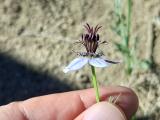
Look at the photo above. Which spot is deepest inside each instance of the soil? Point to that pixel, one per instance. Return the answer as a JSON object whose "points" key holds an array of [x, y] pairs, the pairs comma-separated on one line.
{"points": [[36, 42]]}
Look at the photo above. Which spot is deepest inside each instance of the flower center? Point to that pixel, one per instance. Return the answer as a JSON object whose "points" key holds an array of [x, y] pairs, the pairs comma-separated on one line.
{"points": [[91, 39], [92, 55]]}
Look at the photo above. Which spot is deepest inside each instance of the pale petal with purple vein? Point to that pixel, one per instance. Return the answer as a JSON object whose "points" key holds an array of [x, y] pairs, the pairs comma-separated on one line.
{"points": [[112, 62], [98, 62], [76, 64]]}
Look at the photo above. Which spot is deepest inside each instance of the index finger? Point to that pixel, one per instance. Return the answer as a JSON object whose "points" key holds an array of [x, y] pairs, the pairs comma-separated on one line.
{"points": [[66, 106]]}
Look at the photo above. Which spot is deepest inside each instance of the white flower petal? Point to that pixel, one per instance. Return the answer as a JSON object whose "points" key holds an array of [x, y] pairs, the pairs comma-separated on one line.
{"points": [[76, 64], [98, 62]]}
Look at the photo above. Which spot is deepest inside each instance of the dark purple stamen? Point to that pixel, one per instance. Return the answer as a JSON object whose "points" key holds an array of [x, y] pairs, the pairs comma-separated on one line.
{"points": [[91, 39]]}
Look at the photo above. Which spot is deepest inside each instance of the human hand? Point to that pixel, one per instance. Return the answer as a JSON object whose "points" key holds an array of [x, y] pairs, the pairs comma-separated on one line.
{"points": [[74, 105]]}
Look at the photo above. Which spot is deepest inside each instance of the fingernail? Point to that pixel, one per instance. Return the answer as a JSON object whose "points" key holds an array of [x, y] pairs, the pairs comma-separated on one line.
{"points": [[104, 111]]}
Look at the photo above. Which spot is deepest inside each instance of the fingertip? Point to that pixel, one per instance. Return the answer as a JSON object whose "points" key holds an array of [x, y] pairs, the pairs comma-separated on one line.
{"points": [[128, 102], [102, 111]]}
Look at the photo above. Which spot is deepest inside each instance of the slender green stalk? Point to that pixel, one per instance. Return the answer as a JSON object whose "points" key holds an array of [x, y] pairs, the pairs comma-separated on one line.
{"points": [[95, 83], [129, 20]]}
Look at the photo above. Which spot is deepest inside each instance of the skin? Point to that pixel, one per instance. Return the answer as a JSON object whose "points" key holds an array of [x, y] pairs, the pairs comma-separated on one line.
{"points": [[67, 106]]}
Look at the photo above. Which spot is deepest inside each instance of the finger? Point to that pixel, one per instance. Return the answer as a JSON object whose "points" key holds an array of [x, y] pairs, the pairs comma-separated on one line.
{"points": [[102, 111], [128, 100], [66, 106]]}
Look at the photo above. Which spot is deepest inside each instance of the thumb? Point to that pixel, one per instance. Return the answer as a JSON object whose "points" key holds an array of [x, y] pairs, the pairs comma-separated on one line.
{"points": [[102, 111]]}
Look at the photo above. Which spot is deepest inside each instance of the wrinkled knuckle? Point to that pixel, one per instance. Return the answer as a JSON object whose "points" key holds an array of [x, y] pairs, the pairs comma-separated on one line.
{"points": [[18, 107], [13, 105]]}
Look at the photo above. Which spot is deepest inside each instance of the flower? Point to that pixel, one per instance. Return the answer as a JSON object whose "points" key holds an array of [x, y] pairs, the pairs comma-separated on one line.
{"points": [[91, 41]]}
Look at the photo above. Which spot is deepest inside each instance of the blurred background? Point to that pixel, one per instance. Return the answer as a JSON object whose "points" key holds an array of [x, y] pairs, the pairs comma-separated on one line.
{"points": [[36, 43]]}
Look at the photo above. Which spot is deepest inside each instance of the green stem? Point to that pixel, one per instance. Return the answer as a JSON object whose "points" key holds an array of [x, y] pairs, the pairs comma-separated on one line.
{"points": [[129, 20], [95, 83]]}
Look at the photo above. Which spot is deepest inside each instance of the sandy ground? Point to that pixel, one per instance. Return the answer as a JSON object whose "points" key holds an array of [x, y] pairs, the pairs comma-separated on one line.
{"points": [[36, 40]]}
